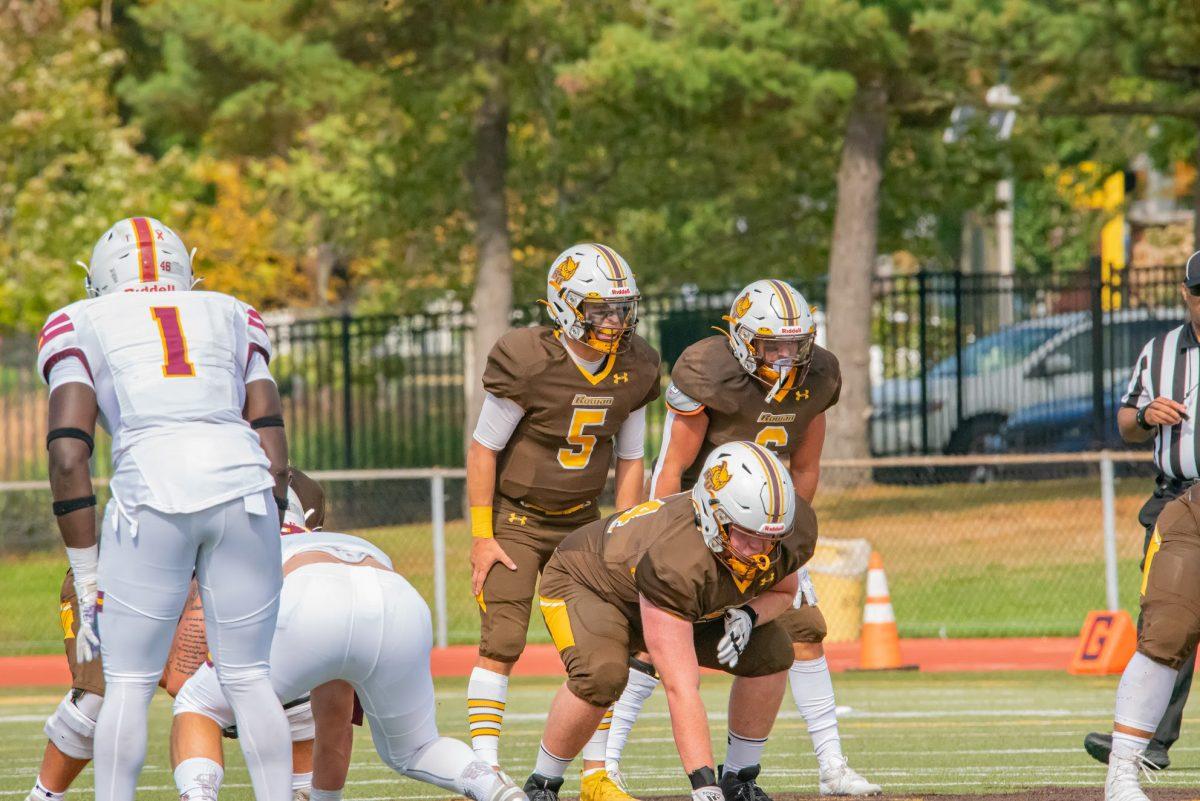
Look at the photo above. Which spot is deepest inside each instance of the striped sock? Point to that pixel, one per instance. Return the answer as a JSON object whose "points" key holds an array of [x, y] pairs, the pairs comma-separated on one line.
{"points": [[487, 692], [742, 752], [594, 750]]}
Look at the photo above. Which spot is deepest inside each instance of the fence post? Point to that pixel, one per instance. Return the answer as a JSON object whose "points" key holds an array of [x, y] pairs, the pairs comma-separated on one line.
{"points": [[347, 397], [1099, 415], [1108, 502], [958, 345], [922, 345], [437, 500]]}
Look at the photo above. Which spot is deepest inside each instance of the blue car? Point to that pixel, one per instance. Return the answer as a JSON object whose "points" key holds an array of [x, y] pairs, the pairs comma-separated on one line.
{"points": [[1059, 427]]}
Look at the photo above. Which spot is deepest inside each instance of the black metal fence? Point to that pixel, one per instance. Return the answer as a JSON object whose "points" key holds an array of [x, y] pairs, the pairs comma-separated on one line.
{"points": [[959, 363], [988, 363]]}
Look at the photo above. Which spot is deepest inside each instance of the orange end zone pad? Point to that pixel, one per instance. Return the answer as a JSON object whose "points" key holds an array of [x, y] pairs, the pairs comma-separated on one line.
{"points": [[933, 655]]}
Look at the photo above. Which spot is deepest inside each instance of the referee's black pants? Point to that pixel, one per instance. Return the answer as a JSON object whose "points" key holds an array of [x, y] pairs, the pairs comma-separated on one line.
{"points": [[1168, 728]]}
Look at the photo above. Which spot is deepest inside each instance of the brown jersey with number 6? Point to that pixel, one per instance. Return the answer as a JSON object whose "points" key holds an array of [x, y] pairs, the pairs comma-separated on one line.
{"points": [[707, 378], [561, 451]]}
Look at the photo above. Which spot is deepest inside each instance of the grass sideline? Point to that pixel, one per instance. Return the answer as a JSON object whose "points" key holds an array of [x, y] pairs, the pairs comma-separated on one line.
{"points": [[915, 734], [1007, 558]]}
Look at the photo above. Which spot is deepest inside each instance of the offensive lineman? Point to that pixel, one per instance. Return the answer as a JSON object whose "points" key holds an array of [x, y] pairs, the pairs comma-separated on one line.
{"points": [[347, 622], [765, 381], [696, 579], [71, 728], [560, 402], [1170, 598], [180, 379]]}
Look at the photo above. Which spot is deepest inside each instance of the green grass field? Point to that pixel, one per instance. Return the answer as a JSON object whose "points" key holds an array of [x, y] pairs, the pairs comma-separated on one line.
{"points": [[915, 734], [999, 559]]}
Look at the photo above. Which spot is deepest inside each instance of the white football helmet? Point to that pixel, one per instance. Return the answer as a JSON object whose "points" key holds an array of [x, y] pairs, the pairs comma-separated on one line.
{"points": [[772, 332], [592, 297], [294, 518], [138, 254], [744, 485]]}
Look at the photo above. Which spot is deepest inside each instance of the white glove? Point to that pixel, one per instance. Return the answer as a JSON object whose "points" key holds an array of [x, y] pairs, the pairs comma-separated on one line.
{"points": [[708, 794], [739, 623], [87, 640], [84, 566]]}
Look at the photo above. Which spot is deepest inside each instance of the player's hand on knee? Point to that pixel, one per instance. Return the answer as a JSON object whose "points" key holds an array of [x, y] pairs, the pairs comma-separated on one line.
{"points": [[87, 640], [486, 552], [739, 623]]}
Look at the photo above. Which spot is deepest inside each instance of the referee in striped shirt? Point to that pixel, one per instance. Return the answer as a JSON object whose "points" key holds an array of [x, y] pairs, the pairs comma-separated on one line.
{"points": [[1161, 402]]}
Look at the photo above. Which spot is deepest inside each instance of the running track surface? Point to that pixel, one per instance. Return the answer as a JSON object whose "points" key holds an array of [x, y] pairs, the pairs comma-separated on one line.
{"points": [[929, 655]]}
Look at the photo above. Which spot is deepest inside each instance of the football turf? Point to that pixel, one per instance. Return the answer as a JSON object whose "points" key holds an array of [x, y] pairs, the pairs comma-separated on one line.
{"points": [[918, 735]]}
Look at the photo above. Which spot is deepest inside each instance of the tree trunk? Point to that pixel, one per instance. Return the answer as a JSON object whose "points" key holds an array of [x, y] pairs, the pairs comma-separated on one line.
{"points": [[491, 301], [851, 266]]}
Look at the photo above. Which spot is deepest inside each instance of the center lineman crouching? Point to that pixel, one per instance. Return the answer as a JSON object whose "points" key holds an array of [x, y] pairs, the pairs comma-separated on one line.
{"points": [[1170, 629], [561, 402], [347, 623], [696, 579]]}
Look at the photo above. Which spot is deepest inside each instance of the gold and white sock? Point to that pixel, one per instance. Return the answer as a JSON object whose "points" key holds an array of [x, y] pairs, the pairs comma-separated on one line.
{"points": [[487, 693]]}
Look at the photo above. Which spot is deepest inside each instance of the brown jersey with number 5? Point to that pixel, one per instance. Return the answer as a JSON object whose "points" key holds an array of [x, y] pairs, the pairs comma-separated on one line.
{"points": [[708, 379], [560, 453]]}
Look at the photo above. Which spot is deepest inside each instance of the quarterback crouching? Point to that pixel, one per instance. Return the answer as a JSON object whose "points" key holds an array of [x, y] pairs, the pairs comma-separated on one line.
{"points": [[696, 579], [348, 623]]}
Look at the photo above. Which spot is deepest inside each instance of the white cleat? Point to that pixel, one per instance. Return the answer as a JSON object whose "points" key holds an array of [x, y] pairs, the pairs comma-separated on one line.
{"points": [[1122, 784], [838, 778], [303, 794], [613, 769]]}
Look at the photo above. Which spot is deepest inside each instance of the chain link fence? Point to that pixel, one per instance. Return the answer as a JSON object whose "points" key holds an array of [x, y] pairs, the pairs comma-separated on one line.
{"points": [[987, 546]]}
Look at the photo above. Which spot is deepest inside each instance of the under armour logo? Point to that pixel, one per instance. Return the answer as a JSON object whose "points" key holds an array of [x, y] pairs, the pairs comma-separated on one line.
{"points": [[802, 394], [513, 517], [619, 377]]}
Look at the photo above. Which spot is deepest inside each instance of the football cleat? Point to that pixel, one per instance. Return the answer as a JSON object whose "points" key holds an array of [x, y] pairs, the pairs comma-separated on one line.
{"points": [[599, 786], [838, 778], [302, 794], [1099, 746], [1121, 783], [613, 769], [542, 788], [592, 297], [742, 786]]}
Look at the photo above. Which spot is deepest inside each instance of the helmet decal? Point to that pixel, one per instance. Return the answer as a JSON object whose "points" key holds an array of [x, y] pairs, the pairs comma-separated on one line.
{"points": [[564, 271], [742, 306], [147, 252], [716, 477]]}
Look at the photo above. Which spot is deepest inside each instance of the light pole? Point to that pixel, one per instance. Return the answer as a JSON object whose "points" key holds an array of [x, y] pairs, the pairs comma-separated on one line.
{"points": [[1003, 103]]}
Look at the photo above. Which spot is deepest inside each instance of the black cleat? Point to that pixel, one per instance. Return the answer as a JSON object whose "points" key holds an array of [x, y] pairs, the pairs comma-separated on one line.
{"points": [[740, 786], [542, 788], [1099, 746]]}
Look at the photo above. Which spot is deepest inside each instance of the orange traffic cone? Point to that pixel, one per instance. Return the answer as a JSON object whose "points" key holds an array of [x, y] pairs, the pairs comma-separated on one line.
{"points": [[880, 638]]}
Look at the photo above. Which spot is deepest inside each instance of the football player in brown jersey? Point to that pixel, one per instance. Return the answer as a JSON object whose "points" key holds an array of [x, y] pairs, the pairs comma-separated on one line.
{"points": [[562, 401], [1170, 628], [698, 580], [766, 381]]}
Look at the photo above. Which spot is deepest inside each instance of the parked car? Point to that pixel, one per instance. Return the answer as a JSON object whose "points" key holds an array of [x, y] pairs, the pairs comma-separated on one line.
{"points": [[1032, 362], [1061, 427]]}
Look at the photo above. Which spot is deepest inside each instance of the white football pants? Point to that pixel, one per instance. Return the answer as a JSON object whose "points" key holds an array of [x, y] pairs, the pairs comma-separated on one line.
{"points": [[145, 571], [363, 625]]}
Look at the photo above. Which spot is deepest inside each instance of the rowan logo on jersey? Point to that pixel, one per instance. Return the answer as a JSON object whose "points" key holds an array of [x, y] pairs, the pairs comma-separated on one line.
{"points": [[767, 417], [592, 400], [717, 477]]}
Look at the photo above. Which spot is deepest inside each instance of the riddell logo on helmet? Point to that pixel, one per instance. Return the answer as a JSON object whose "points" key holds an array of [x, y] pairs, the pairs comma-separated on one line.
{"points": [[150, 288], [793, 329], [771, 528], [622, 291]]}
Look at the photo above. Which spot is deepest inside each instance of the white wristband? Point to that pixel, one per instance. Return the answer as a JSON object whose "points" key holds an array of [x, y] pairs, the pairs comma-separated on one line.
{"points": [[85, 562]]}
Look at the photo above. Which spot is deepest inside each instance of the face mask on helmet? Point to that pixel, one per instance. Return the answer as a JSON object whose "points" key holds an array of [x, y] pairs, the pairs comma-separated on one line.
{"points": [[753, 558], [775, 357], [608, 323]]}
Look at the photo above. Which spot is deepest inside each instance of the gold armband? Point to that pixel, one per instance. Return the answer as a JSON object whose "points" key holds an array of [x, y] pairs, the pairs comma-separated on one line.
{"points": [[481, 522]]}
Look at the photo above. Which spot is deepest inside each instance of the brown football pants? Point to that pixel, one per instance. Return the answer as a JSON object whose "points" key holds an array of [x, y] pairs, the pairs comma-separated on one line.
{"points": [[595, 640], [506, 602], [1171, 584]]}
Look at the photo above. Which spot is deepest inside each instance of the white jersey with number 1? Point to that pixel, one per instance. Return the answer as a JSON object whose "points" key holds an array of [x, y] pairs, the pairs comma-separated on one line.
{"points": [[170, 371]]}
